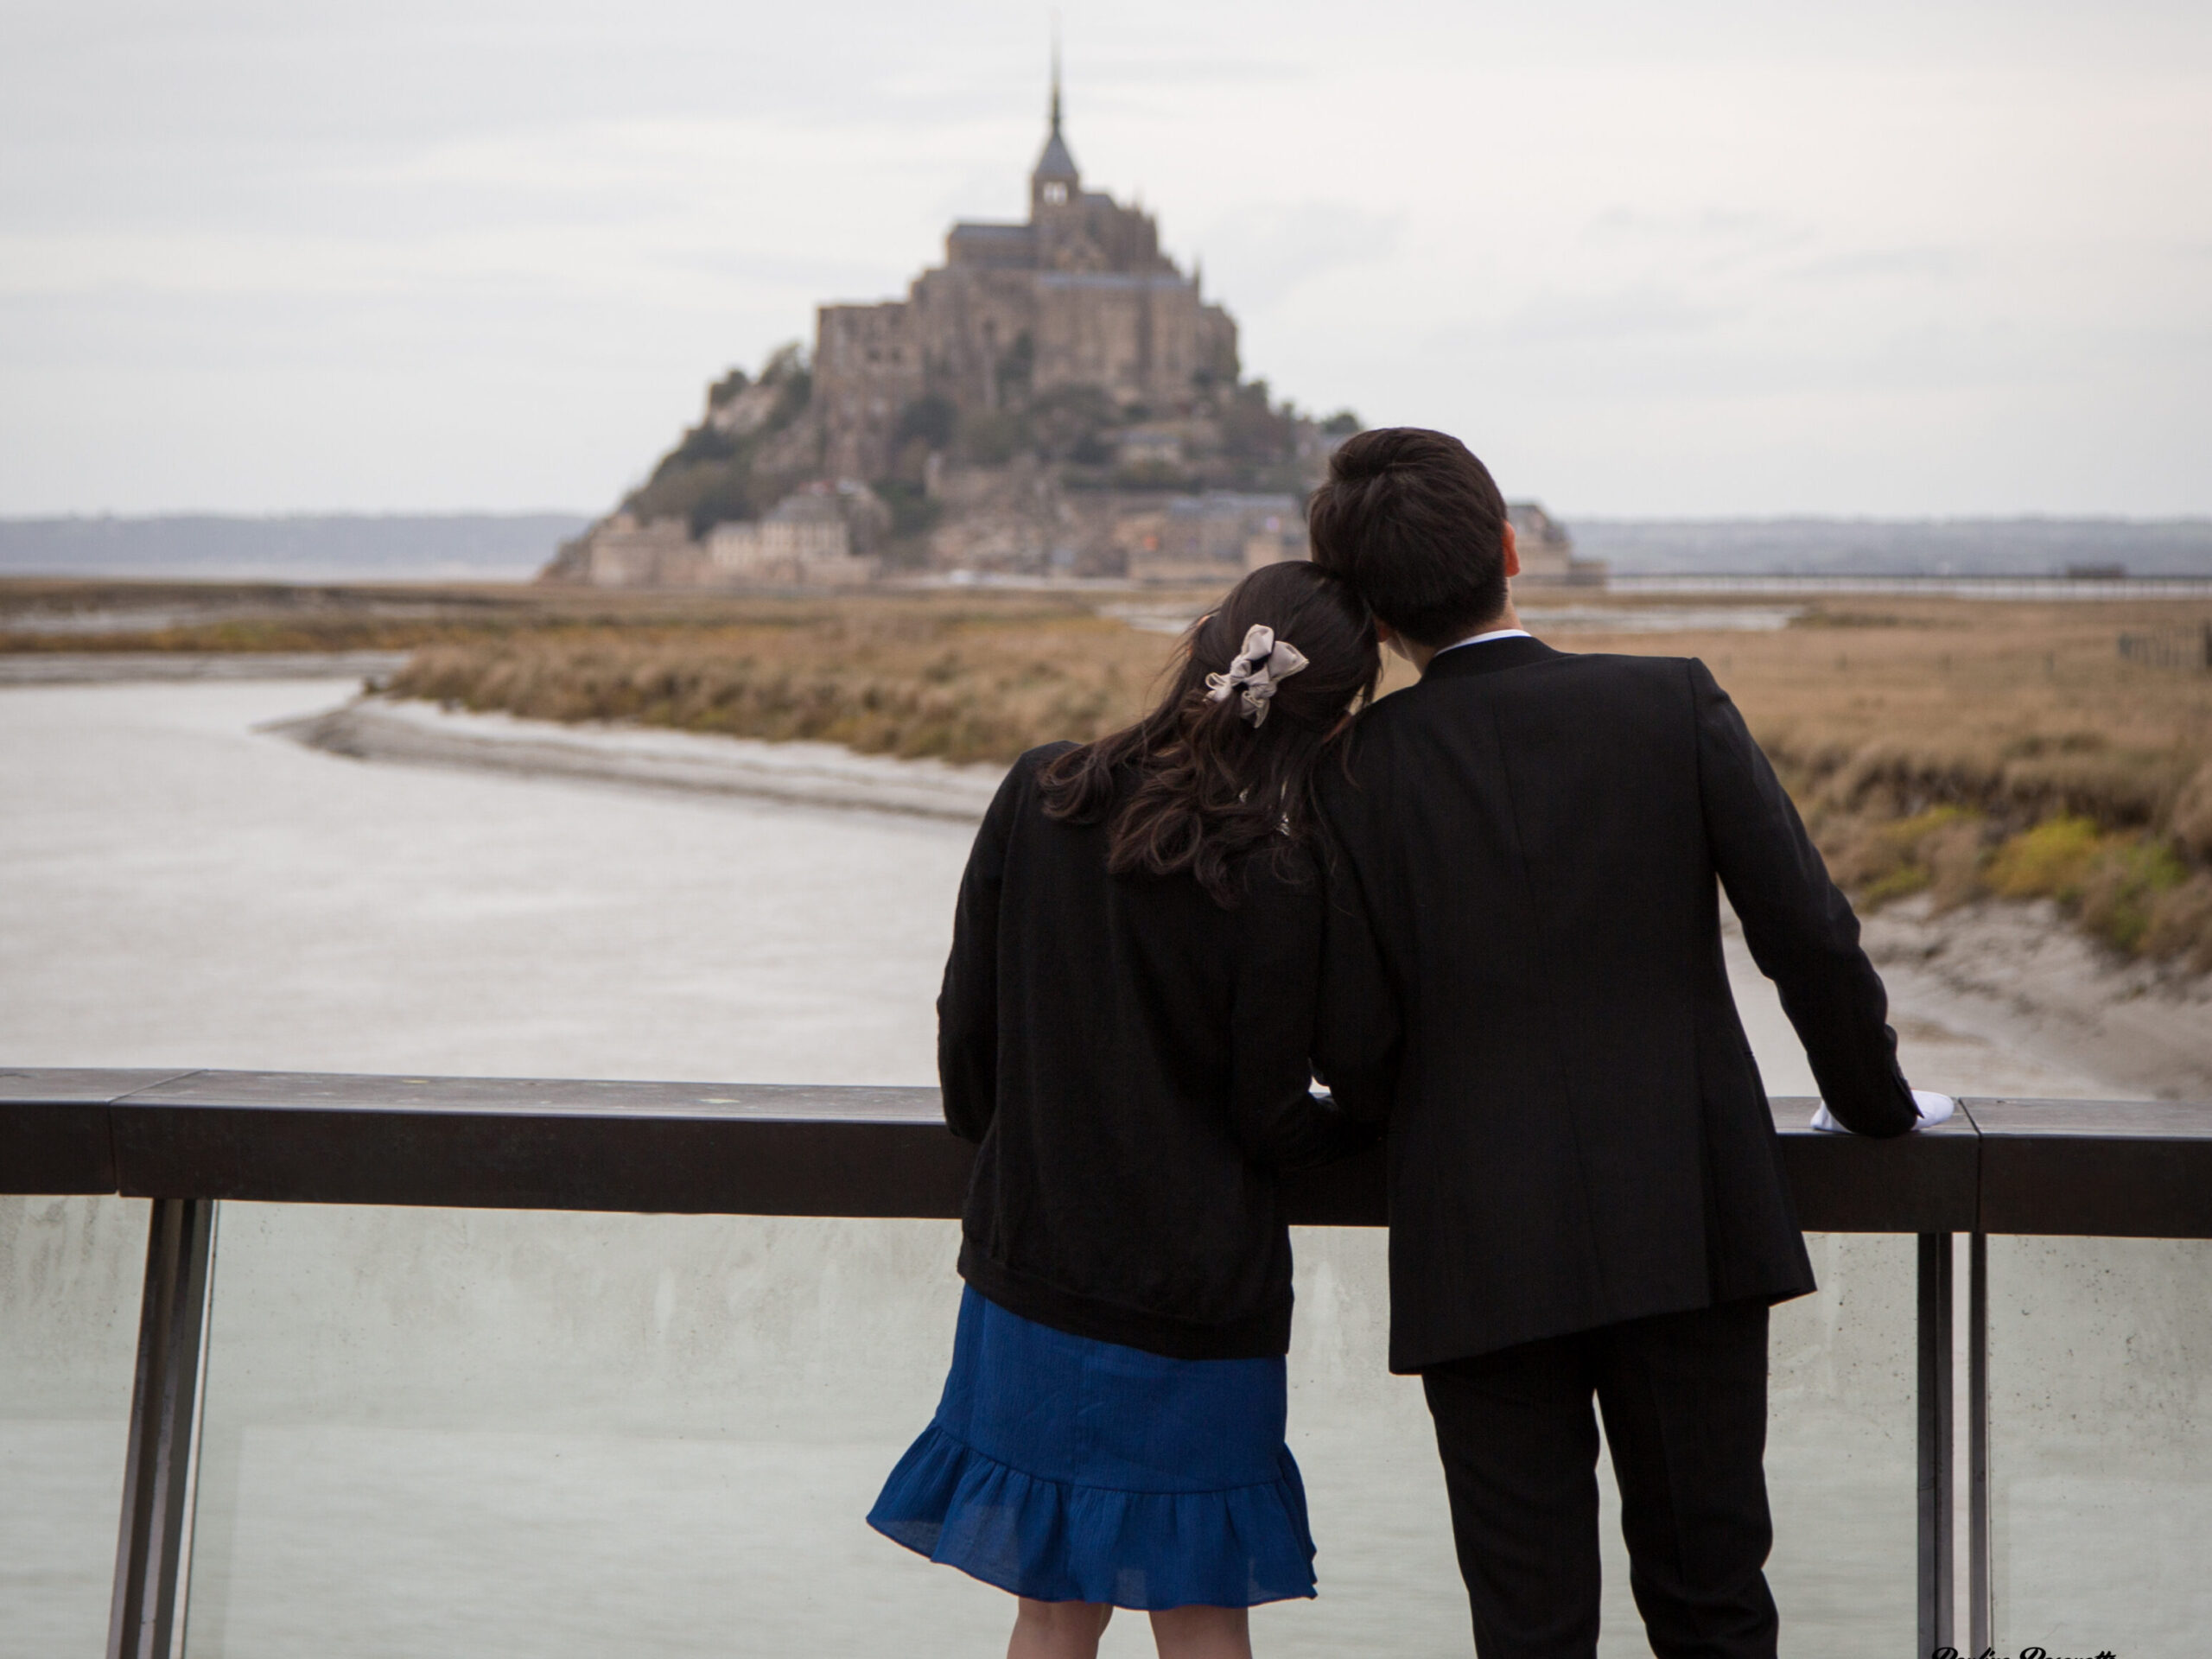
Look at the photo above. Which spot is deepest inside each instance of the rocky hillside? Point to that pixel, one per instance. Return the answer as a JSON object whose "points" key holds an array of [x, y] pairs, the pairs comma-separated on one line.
{"points": [[1040, 474]]}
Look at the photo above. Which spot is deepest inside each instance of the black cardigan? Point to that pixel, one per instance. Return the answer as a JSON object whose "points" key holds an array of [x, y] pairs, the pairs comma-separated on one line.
{"points": [[1578, 1131], [1135, 1062]]}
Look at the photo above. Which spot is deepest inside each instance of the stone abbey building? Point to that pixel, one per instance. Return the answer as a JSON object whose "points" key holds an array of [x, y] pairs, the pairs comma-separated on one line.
{"points": [[1080, 295], [1056, 397]]}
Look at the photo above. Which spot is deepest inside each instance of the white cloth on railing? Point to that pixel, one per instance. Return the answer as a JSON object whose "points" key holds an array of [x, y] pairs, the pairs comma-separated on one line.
{"points": [[1933, 1110]]}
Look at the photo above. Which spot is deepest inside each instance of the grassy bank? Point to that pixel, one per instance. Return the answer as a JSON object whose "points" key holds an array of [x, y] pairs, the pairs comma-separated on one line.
{"points": [[1966, 749], [956, 680], [1950, 747]]}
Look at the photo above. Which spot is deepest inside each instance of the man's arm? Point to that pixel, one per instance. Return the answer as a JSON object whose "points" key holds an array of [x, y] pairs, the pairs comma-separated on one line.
{"points": [[1801, 929], [967, 1005]]}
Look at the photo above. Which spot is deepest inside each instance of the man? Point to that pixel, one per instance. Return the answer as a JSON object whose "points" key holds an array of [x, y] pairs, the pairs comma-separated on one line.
{"points": [[1586, 1195]]}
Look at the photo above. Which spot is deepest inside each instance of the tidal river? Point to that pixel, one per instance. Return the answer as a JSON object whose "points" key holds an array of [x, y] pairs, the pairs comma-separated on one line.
{"points": [[457, 1434]]}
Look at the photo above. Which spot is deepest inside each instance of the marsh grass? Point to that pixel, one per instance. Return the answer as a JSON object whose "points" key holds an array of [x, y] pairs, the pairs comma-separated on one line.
{"points": [[1962, 749], [952, 684], [1947, 747], [1951, 748], [1939, 851]]}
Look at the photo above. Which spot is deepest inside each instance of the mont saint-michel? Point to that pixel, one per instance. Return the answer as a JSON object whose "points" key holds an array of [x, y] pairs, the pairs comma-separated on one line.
{"points": [[1058, 397]]}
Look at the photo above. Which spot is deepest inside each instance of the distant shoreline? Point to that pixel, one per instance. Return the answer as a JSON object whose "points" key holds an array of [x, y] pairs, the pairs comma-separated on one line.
{"points": [[1920, 584], [291, 547], [514, 546], [138, 667]]}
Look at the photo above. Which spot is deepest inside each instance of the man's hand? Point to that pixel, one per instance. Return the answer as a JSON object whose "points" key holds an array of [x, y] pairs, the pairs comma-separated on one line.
{"points": [[1933, 1110]]}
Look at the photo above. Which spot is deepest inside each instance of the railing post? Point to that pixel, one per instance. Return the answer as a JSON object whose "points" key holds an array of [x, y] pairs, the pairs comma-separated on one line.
{"points": [[164, 1414], [1979, 1610], [1936, 1622]]}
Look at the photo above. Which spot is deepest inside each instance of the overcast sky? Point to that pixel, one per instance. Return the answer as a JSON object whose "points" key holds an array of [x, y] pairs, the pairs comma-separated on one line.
{"points": [[1704, 258]]}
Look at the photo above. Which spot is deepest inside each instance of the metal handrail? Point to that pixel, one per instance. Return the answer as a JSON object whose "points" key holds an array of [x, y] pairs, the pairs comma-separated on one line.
{"points": [[190, 1139], [2110, 1168]]}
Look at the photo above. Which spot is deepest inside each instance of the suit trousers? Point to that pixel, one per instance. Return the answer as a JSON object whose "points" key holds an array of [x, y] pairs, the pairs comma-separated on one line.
{"points": [[1684, 1401]]}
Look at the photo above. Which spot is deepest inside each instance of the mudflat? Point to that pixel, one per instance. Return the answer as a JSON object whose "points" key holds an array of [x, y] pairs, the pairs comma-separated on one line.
{"points": [[1958, 749]]}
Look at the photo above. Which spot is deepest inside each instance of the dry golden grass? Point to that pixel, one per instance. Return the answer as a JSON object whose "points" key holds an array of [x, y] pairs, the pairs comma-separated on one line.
{"points": [[957, 679], [1965, 747], [1951, 746], [2018, 709]]}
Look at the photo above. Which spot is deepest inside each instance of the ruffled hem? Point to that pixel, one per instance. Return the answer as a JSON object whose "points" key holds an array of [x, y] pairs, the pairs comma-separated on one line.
{"points": [[1053, 1542]]}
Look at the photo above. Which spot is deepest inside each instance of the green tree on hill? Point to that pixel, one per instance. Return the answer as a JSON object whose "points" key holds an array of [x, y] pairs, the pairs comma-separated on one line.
{"points": [[717, 472]]}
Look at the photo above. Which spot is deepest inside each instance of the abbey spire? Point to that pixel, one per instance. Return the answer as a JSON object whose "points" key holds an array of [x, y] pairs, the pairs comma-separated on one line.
{"points": [[1054, 181], [1077, 298]]}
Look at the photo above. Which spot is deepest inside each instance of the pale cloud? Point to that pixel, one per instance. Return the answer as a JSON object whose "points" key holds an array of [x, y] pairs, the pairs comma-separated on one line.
{"points": [[1707, 258], [1270, 248]]}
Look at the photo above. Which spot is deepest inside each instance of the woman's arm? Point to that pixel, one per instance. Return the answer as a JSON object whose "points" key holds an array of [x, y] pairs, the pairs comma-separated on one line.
{"points": [[1279, 1120], [1356, 1021], [967, 1004]]}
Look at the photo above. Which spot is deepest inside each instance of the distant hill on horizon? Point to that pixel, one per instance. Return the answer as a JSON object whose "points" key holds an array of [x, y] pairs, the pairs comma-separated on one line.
{"points": [[497, 546], [290, 547], [1895, 547]]}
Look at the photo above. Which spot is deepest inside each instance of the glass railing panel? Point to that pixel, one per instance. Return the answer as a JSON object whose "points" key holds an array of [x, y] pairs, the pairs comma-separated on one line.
{"points": [[2101, 1444], [1841, 1463], [469, 1432], [472, 1433], [1842, 1450], [71, 1273], [1382, 1528]]}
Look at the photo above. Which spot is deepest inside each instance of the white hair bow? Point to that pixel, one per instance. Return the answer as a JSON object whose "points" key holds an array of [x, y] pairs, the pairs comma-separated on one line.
{"points": [[1263, 663]]}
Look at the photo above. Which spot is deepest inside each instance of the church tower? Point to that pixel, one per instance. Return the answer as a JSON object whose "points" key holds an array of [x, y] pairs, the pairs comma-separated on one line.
{"points": [[1078, 296], [1054, 182]]}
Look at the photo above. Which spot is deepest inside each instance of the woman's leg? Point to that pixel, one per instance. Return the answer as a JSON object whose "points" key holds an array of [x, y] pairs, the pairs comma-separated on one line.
{"points": [[1203, 1632], [1057, 1630]]}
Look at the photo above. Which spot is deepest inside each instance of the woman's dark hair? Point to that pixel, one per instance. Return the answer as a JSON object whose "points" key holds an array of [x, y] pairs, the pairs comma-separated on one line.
{"points": [[1413, 521], [1195, 785]]}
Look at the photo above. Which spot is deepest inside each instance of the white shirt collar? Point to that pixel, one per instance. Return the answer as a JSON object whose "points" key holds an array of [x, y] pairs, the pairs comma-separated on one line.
{"points": [[1495, 633]]}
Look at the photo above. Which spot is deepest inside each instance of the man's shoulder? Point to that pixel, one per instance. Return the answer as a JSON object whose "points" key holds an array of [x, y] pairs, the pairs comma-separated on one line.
{"points": [[1605, 683], [1674, 684], [1635, 670], [1583, 671], [1636, 698], [1617, 692]]}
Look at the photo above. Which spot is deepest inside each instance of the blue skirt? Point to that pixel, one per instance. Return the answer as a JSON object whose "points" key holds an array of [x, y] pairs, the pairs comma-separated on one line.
{"points": [[1064, 1469]]}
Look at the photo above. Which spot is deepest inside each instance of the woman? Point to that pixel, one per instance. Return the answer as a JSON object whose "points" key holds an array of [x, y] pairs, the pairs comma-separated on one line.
{"points": [[1134, 1012]]}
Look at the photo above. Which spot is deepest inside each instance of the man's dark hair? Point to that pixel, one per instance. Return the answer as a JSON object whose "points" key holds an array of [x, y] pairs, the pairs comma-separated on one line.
{"points": [[1414, 522]]}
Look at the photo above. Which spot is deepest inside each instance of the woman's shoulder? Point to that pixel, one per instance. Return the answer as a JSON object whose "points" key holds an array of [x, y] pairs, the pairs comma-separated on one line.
{"points": [[1035, 760], [1020, 784], [1025, 778]]}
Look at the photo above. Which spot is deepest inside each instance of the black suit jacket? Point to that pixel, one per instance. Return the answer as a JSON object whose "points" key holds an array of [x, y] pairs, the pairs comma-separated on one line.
{"points": [[1578, 1133]]}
